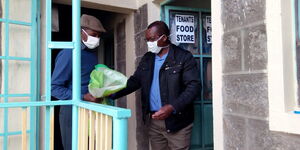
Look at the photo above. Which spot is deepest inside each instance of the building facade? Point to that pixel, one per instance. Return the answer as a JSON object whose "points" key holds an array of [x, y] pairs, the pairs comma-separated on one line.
{"points": [[247, 52]]}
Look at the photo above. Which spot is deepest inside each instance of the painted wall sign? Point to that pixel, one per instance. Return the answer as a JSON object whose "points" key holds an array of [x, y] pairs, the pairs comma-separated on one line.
{"points": [[185, 29]]}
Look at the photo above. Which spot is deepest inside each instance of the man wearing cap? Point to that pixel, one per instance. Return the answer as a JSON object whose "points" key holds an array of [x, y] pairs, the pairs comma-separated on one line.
{"points": [[61, 81]]}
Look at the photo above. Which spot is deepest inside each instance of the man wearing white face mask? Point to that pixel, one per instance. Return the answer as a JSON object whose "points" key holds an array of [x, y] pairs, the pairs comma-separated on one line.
{"points": [[61, 82], [169, 79]]}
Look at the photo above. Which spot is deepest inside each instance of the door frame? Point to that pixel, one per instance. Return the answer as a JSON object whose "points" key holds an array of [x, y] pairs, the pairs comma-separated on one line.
{"points": [[165, 17]]}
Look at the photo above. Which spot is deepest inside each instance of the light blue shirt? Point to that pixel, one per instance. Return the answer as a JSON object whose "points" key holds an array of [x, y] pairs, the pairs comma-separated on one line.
{"points": [[155, 100]]}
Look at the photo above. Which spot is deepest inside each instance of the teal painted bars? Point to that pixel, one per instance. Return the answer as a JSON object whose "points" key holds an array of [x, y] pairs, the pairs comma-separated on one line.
{"points": [[76, 64], [119, 115], [8, 21]]}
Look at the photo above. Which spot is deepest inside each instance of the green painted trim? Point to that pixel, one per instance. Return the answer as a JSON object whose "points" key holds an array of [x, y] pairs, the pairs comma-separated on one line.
{"points": [[15, 95], [105, 109], [15, 22], [48, 50], [15, 58], [61, 45], [76, 69], [206, 101], [119, 115], [204, 56], [187, 9], [47, 128], [33, 79], [36, 104], [48, 73], [6, 70], [6, 58], [166, 14], [14, 133], [38, 21], [166, 9], [74, 127], [120, 132], [115, 112]]}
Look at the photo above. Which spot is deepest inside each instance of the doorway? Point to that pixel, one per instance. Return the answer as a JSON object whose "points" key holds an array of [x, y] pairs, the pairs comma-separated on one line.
{"points": [[62, 31], [190, 28]]}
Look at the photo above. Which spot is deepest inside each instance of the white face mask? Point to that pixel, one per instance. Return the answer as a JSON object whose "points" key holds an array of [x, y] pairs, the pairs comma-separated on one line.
{"points": [[91, 42], [152, 46]]}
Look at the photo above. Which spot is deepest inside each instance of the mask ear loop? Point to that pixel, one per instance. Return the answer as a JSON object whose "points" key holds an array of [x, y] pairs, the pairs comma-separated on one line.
{"points": [[85, 32], [160, 38]]}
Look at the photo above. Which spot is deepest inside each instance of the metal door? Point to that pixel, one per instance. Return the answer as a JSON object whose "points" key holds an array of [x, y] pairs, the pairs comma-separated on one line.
{"points": [[191, 30]]}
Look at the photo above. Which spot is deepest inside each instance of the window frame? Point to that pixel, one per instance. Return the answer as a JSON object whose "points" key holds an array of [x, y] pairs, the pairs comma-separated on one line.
{"points": [[282, 71], [34, 59]]}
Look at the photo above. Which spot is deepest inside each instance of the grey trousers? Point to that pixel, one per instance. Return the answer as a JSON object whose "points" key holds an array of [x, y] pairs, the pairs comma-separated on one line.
{"points": [[160, 139]]}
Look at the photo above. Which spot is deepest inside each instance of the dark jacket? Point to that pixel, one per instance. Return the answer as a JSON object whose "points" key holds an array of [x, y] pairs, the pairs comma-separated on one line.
{"points": [[179, 80]]}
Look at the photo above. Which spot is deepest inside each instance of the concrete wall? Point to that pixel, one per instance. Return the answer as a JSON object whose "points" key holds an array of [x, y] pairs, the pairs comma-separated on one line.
{"points": [[121, 55], [130, 68], [141, 23], [244, 79], [119, 6], [129, 4]]}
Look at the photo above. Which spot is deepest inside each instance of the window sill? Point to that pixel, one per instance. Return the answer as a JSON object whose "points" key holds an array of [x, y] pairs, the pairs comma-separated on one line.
{"points": [[284, 122], [282, 75]]}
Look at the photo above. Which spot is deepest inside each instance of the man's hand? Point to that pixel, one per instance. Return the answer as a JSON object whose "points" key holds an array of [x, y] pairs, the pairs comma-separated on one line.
{"points": [[89, 97], [163, 112]]}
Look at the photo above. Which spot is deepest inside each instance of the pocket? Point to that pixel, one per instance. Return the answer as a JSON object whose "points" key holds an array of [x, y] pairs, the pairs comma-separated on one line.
{"points": [[174, 70]]}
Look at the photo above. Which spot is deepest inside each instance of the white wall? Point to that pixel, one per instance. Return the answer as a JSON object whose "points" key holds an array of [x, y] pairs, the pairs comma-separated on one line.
{"points": [[119, 6], [217, 33]]}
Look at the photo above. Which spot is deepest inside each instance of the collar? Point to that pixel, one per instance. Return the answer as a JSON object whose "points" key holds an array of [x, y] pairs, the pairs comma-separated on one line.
{"points": [[170, 58], [171, 54], [83, 46], [163, 57]]}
